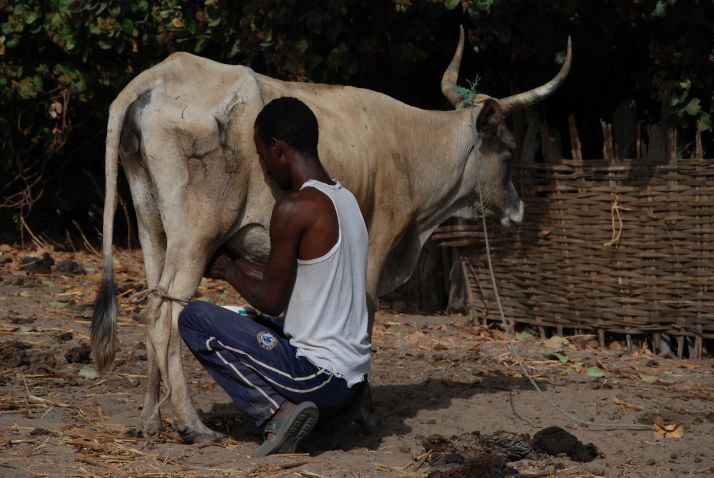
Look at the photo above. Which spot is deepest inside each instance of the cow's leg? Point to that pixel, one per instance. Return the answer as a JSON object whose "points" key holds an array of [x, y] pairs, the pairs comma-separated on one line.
{"points": [[183, 270], [153, 246], [381, 242], [367, 417], [150, 418]]}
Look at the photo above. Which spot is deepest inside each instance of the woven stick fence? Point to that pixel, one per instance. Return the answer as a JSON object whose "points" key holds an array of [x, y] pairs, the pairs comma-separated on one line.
{"points": [[606, 245]]}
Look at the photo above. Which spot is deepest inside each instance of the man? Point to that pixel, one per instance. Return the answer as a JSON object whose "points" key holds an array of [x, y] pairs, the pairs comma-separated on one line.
{"points": [[317, 362]]}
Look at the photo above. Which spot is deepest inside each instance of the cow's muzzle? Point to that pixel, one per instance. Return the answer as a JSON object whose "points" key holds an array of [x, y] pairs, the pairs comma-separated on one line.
{"points": [[513, 215]]}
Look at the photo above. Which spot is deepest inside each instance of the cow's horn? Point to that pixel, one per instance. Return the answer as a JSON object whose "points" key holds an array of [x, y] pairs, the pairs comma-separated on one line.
{"points": [[451, 75], [531, 97]]}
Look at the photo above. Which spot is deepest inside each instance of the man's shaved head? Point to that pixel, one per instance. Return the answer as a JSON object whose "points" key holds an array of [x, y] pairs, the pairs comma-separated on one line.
{"points": [[292, 121]]}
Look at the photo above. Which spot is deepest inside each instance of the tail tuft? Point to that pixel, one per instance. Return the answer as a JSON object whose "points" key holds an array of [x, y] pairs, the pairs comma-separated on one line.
{"points": [[103, 331]]}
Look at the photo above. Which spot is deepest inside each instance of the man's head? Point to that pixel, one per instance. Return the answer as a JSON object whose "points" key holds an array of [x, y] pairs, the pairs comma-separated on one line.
{"points": [[284, 124]]}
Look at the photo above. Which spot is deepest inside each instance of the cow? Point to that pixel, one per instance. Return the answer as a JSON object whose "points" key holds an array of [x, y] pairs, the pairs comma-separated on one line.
{"points": [[183, 132]]}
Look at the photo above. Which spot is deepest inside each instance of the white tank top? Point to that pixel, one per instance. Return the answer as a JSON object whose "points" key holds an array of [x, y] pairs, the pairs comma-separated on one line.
{"points": [[326, 318]]}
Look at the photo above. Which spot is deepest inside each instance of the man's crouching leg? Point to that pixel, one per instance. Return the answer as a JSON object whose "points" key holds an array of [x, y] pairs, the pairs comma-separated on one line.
{"points": [[247, 361]]}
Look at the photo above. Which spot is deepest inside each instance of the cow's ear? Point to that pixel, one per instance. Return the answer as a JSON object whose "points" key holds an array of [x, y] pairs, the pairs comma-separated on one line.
{"points": [[489, 118]]}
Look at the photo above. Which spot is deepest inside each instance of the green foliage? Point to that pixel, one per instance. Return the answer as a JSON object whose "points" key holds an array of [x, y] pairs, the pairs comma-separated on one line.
{"points": [[63, 61], [685, 107]]}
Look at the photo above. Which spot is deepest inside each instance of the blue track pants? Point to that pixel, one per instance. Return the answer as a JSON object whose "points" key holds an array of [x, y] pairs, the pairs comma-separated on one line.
{"points": [[256, 365]]}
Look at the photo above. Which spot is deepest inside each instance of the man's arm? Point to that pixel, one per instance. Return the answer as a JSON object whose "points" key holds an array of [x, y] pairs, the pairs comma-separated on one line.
{"points": [[252, 269], [270, 291]]}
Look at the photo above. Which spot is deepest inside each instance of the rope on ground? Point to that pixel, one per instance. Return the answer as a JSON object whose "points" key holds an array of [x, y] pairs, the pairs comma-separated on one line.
{"points": [[516, 355]]}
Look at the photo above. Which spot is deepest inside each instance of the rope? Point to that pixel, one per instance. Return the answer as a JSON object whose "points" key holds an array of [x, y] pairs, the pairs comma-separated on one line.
{"points": [[514, 352], [616, 216], [140, 296]]}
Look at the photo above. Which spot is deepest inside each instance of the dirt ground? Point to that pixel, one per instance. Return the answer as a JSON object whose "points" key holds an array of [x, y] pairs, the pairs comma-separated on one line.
{"points": [[450, 398]]}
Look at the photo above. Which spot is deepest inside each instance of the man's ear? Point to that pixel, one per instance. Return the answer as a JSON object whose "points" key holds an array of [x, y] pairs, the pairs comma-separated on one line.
{"points": [[489, 118], [280, 147], [277, 147]]}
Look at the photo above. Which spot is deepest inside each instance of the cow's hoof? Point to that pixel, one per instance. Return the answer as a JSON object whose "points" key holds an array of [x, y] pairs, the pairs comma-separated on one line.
{"points": [[144, 430], [191, 437], [147, 429], [135, 432], [149, 424]]}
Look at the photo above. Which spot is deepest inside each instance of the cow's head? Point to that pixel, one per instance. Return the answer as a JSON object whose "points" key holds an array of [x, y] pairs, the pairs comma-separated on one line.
{"points": [[493, 143]]}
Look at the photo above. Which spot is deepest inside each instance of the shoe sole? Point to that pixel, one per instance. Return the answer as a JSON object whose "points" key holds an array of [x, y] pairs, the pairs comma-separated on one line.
{"points": [[300, 428]]}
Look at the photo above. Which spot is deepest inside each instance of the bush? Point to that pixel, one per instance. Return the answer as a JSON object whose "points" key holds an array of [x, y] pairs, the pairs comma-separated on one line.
{"points": [[63, 61]]}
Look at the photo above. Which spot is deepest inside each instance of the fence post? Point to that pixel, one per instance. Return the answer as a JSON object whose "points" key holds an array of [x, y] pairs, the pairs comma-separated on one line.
{"points": [[671, 157], [608, 151]]}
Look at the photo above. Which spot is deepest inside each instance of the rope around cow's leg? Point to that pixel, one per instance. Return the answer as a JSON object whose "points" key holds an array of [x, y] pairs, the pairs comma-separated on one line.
{"points": [[139, 296]]}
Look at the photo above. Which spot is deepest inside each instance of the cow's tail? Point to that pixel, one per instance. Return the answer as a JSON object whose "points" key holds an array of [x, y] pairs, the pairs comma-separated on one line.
{"points": [[103, 330]]}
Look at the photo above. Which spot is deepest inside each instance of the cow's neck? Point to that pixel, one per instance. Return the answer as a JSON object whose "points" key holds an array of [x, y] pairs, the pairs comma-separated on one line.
{"points": [[442, 177]]}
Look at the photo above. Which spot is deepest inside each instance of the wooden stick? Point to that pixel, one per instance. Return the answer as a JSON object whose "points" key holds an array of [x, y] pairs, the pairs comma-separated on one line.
{"points": [[601, 338], [575, 147]]}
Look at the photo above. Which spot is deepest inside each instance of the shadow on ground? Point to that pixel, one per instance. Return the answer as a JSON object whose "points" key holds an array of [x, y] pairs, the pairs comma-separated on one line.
{"points": [[394, 404]]}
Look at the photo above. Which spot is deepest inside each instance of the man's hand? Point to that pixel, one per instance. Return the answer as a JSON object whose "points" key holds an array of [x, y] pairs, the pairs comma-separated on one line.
{"points": [[219, 266]]}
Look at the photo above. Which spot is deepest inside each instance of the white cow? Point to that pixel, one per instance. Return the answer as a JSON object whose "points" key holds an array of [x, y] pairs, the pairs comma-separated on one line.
{"points": [[183, 130]]}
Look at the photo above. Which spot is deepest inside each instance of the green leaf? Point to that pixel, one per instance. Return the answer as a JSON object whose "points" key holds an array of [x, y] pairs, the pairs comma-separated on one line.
{"points": [[525, 335], [64, 5], [140, 6], [89, 373], [127, 26], [25, 329], [557, 356], [560, 57], [451, 4], [200, 44], [235, 49], [556, 342], [659, 9], [595, 372], [648, 378], [693, 107], [301, 45]]}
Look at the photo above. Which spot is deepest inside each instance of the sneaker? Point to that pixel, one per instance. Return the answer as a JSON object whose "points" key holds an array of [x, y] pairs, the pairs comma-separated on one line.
{"points": [[283, 433]]}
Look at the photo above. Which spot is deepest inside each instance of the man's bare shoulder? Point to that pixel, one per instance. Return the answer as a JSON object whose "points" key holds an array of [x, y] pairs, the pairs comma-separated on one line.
{"points": [[303, 205], [310, 200]]}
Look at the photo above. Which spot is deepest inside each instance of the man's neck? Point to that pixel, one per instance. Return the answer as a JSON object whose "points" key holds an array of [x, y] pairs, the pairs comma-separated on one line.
{"points": [[306, 168]]}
